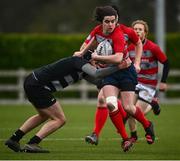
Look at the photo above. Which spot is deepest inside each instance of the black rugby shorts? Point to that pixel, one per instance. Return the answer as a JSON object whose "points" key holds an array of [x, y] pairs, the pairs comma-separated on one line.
{"points": [[37, 94]]}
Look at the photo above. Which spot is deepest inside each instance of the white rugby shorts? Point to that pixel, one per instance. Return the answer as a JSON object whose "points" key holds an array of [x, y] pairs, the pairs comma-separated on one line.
{"points": [[145, 93]]}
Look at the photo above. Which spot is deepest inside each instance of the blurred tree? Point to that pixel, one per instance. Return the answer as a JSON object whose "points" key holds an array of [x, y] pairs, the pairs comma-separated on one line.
{"points": [[69, 16], [16, 15], [173, 15]]}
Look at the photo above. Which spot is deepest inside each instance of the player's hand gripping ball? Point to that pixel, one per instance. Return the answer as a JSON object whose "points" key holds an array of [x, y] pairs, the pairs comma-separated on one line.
{"points": [[104, 48]]}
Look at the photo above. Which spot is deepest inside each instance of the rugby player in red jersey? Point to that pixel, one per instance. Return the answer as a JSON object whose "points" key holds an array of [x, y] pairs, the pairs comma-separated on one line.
{"points": [[39, 87], [148, 75], [110, 31], [147, 81], [125, 81], [101, 111]]}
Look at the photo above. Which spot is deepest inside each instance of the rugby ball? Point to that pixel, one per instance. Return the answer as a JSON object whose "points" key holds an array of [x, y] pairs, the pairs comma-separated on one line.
{"points": [[104, 48]]}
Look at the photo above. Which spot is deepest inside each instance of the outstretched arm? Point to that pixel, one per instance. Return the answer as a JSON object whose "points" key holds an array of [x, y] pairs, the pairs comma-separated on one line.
{"points": [[138, 51], [95, 81], [98, 73], [84, 48], [89, 69]]}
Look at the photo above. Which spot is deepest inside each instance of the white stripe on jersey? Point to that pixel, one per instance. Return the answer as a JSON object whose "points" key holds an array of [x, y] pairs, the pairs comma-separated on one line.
{"points": [[148, 76], [57, 85], [69, 79], [34, 76], [46, 87]]}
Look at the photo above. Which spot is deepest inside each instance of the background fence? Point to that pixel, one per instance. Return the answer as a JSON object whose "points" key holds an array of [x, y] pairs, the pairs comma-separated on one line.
{"points": [[12, 82]]}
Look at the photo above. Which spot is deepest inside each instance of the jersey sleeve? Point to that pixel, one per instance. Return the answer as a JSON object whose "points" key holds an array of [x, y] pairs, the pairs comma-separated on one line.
{"points": [[118, 41], [133, 37], [131, 34], [131, 47], [91, 35], [159, 54], [79, 62]]}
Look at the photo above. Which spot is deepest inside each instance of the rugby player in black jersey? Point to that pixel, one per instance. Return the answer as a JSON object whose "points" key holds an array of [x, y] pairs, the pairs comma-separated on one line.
{"points": [[39, 86]]}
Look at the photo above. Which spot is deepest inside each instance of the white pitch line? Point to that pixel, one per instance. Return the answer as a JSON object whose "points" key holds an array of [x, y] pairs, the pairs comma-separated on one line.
{"points": [[80, 139]]}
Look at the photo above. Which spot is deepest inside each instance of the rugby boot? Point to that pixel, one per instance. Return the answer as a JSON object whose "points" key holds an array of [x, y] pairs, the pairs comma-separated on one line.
{"points": [[33, 148], [150, 136], [13, 145], [126, 145], [92, 139]]}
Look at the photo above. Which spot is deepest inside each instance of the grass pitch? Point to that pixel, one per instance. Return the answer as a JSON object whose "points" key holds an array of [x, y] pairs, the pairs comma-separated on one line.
{"points": [[68, 142]]}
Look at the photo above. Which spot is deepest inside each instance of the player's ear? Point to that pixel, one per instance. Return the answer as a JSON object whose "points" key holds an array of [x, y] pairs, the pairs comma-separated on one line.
{"points": [[117, 18]]}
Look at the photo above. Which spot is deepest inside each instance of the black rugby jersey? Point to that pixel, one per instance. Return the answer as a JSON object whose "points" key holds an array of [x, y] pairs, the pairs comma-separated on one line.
{"points": [[60, 74]]}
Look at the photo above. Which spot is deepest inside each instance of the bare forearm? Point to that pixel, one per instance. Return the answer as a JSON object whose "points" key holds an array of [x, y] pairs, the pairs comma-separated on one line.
{"points": [[84, 48], [138, 51]]}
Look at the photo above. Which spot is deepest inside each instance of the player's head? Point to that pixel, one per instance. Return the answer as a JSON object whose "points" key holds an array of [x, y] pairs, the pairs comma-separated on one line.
{"points": [[107, 15], [141, 28], [117, 10], [102, 11]]}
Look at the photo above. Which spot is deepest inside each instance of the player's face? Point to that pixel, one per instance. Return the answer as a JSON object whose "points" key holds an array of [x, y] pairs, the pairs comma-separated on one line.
{"points": [[140, 30], [109, 24]]}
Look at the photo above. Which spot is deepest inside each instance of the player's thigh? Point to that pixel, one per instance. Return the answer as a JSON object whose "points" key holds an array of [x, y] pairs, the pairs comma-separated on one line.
{"points": [[101, 99], [144, 106], [110, 90], [127, 98]]}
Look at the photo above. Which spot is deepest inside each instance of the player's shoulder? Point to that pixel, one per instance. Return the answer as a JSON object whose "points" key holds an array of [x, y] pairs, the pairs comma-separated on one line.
{"points": [[98, 28], [118, 30], [125, 28], [151, 44]]}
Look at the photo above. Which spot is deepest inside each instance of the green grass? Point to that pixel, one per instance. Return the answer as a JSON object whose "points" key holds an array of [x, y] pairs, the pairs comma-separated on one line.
{"points": [[68, 143]]}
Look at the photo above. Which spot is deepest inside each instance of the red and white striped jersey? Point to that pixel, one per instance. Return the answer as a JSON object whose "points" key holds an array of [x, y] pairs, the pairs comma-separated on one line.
{"points": [[149, 62], [116, 38], [130, 35]]}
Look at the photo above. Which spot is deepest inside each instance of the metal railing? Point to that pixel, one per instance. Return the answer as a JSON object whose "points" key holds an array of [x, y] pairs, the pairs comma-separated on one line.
{"points": [[83, 88]]}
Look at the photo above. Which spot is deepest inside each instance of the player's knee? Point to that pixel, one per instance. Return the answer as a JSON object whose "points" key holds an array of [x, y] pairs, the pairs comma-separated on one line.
{"points": [[61, 121], [112, 104], [101, 101], [129, 108]]}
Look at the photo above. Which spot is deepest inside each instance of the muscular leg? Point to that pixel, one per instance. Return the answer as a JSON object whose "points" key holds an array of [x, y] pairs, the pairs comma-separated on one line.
{"points": [[57, 120], [101, 114], [100, 118], [132, 121], [111, 93], [128, 103], [127, 100], [144, 108], [33, 122]]}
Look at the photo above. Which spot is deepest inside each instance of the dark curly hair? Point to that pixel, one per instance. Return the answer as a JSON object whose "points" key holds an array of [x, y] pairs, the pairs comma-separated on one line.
{"points": [[102, 11]]}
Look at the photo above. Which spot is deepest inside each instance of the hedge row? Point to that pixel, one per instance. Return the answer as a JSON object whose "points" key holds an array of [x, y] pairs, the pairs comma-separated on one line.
{"points": [[34, 50]]}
